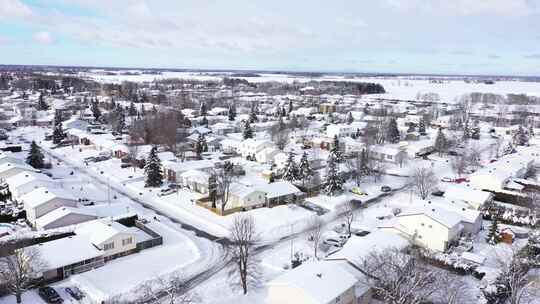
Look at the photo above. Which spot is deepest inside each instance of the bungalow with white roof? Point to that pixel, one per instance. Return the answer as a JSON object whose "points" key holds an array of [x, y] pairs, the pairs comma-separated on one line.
{"points": [[388, 154], [64, 216], [10, 169], [280, 192], [250, 146], [495, 176], [196, 180], [474, 198], [266, 155], [174, 169], [229, 146], [41, 201], [343, 130], [113, 238], [25, 182], [6, 158], [430, 227], [319, 282], [242, 197]]}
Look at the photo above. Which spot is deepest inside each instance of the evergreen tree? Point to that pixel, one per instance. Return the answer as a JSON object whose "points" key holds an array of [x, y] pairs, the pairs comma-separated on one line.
{"points": [[290, 171], [509, 149], [201, 146], [364, 163], [333, 182], [520, 137], [58, 134], [392, 132], [204, 121], [466, 131], [422, 127], [112, 104], [152, 170], [531, 130], [154, 110], [253, 116], [350, 118], [493, 237], [271, 178], [335, 152], [440, 142], [120, 122], [132, 110], [366, 110], [411, 128], [95, 110], [248, 132], [42, 105], [290, 106], [232, 113], [35, 157], [202, 110], [283, 112], [305, 170], [143, 110], [57, 118]]}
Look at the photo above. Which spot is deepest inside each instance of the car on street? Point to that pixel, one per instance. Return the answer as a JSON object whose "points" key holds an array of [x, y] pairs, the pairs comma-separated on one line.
{"points": [[386, 189], [74, 292], [358, 191], [447, 179], [49, 295], [461, 180], [166, 191], [437, 193]]}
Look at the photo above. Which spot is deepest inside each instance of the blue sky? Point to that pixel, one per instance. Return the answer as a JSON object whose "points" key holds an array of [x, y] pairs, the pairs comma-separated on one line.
{"points": [[401, 36]]}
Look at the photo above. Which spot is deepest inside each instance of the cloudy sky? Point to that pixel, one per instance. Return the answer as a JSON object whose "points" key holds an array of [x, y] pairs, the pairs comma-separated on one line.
{"points": [[407, 36]]}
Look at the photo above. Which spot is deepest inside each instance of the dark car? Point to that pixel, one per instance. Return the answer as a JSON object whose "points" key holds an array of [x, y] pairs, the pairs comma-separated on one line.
{"points": [[75, 293], [386, 189], [437, 193], [49, 295]]}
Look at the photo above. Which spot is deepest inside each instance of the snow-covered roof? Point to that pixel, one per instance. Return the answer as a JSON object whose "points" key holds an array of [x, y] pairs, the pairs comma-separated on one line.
{"points": [[188, 165], [445, 217], [42, 195], [278, 189], [240, 190], [467, 194], [67, 251], [358, 248], [59, 213], [196, 175], [100, 231], [322, 281], [8, 166], [23, 178], [6, 157], [478, 259]]}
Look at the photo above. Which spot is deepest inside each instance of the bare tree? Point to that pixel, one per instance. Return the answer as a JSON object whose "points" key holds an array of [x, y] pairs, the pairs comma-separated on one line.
{"points": [[315, 232], [348, 215], [398, 278], [224, 179], [424, 181], [473, 157], [243, 239], [459, 164], [17, 271], [452, 289]]}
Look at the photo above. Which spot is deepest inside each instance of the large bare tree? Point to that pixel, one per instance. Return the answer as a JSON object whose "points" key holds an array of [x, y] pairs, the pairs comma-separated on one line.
{"points": [[243, 236], [424, 181], [224, 178], [315, 231], [19, 270]]}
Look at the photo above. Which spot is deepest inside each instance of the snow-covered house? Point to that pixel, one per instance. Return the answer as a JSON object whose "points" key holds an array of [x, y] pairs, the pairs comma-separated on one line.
{"points": [[319, 282], [174, 169], [430, 227], [472, 197], [250, 147], [495, 176], [113, 238], [25, 182], [266, 155], [280, 192], [7, 158], [64, 216], [387, 154], [229, 146], [75, 123], [244, 197], [41, 201], [351, 145], [10, 169], [196, 180], [342, 130]]}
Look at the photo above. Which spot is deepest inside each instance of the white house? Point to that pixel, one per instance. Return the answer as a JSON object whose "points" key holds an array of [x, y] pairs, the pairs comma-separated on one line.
{"points": [[351, 145], [75, 123], [472, 197], [320, 282], [342, 130], [495, 176], [25, 182], [6, 157], [388, 154], [266, 155], [229, 145], [280, 192], [432, 228], [173, 169], [10, 169], [245, 197], [195, 180], [112, 237], [64, 216], [250, 146], [41, 201]]}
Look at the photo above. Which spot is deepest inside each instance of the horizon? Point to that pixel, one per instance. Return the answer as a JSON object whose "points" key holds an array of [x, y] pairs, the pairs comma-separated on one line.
{"points": [[492, 37]]}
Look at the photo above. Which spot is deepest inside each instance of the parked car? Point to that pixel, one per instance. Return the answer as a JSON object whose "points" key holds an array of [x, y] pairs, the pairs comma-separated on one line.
{"points": [[124, 165], [75, 293], [386, 189], [447, 180], [89, 159], [49, 295], [437, 193], [461, 180], [167, 191]]}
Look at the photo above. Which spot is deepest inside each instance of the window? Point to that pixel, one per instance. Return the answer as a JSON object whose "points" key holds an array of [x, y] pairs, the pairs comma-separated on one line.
{"points": [[127, 241], [108, 246]]}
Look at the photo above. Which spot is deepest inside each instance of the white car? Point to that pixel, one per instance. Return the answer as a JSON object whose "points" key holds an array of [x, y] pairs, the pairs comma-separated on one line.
{"points": [[168, 191], [447, 180]]}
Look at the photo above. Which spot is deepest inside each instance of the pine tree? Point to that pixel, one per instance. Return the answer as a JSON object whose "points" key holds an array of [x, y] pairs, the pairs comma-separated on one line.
{"points": [[248, 132], [290, 106], [232, 113], [132, 110], [57, 118], [290, 171], [509, 149], [531, 130], [204, 121], [350, 118], [475, 133], [333, 182], [411, 128], [364, 163], [305, 170], [392, 132], [466, 131], [202, 110], [42, 105], [35, 157], [58, 134], [422, 127], [271, 178], [520, 137], [253, 116], [143, 110], [335, 152], [152, 169], [201, 146], [95, 110], [120, 121], [112, 104], [493, 237], [440, 142]]}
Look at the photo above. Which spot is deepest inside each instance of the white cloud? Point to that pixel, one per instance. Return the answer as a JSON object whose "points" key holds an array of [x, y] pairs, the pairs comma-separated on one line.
{"points": [[43, 38], [469, 7], [10, 9]]}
